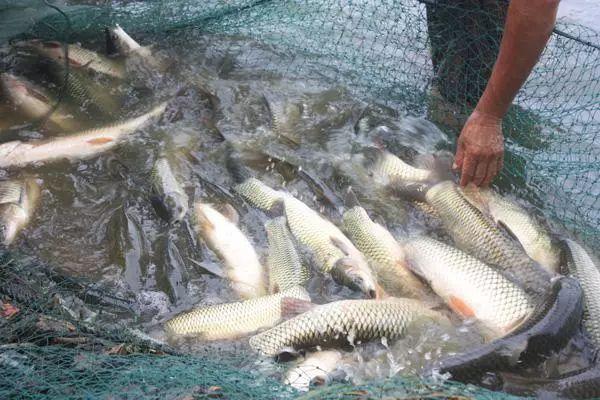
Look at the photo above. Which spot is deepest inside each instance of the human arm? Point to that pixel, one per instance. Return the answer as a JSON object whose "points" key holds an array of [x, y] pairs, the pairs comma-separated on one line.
{"points": [[480, 148]]}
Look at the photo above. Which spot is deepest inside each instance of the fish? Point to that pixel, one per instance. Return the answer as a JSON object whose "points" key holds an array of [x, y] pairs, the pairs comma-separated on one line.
{"points": [[476, 234], [386, 167], [18, 200], [121, 43], [229, 243], [168, 196], [79, 58], [580, 384], [535, 238], [344, 322], [35, 103], [387, 256], [285, 119], [283, 262], [334, 252], [472, 289], [548, 330], [579, 265], [233, 320], [314, 370], [75, 146]]}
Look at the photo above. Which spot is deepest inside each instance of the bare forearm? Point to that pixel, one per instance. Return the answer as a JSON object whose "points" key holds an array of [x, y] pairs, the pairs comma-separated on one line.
{"points": [[529, 24]]}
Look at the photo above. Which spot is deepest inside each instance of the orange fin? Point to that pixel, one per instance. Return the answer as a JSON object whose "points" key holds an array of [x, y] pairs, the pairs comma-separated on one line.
{"points": [[101, 140], [290, 307], [460, 307]]}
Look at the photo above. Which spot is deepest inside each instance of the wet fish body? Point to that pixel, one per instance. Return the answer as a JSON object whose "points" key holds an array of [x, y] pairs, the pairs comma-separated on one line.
{"points": [[470, 288], [580, 265], [169, 198], [547, 331], [18, 200], [242, 265], [341, 322], [388, 167], [75, 146], [78, 57], [35, 103], [534, 238], [334, 252], [315, 369], [136, 56], [233, 320], [388, 258], [478, 235], [283, 261]]}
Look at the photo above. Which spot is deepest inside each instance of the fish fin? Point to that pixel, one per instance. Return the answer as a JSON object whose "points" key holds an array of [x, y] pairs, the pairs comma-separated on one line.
{"points": [[229, 212], [460, 307], [380, 292], [291, 306], [320, 188], [508, 231], [212, 269], [343, 247], [409, 190], [10, 192], [277, 209], [516, 324], [350, 199]]}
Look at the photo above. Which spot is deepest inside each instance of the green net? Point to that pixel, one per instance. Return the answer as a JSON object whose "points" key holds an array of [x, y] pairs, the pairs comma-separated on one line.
{"points": [[428, 58]]}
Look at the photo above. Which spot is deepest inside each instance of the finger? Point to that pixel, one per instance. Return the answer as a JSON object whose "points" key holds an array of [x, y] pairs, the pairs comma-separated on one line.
{"points": [[481, 172], [468, 170], [492, 171], [458, 159]]}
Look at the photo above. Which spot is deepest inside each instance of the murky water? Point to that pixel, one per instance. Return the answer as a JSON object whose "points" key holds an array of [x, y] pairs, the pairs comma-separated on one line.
{"points": [[96, 220]]}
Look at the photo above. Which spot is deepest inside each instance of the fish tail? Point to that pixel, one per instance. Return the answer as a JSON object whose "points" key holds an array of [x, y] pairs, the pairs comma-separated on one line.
{"points": [[258, 194]]}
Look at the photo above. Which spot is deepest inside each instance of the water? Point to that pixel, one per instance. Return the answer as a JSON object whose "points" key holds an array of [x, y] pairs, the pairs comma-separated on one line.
{"points": [[96, 221]]}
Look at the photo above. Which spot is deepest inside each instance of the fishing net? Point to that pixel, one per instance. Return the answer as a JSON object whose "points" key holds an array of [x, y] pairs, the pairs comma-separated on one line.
{"points": [[429, 58]]}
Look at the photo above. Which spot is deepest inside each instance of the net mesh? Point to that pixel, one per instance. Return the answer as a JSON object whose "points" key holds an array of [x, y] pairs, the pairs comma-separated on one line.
{"points": [[430, 58]]}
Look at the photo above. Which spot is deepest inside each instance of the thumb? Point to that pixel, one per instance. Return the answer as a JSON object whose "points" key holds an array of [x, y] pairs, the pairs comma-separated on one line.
{"points": [[459, 157]]}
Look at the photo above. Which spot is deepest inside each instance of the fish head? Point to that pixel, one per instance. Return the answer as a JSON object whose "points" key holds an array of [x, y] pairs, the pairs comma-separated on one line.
{"points": [[353, 274]]}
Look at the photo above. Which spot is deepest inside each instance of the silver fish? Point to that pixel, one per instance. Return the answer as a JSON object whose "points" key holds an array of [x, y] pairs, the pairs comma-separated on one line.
{"points": [[284, 264], [344, 321], [80, 145], [469, 287], [242, 266], [35, 103], [168, 196], [388, 258], [233, 320], [534, 238], [580, 265], [18, 200], [334, 252]]}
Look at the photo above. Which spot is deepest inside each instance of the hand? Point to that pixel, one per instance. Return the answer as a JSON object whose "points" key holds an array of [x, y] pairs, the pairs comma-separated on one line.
{"points": [[480, 149]]}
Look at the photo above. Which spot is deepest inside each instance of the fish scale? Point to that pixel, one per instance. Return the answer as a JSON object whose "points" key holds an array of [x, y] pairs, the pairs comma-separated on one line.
{"points": [[348, 266], [18, 200], [477, 235], [230, 320], [469, 286], [345, 321], [582, 267], [388, 166], [378, 244], [283, 262], [535, 239]]}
